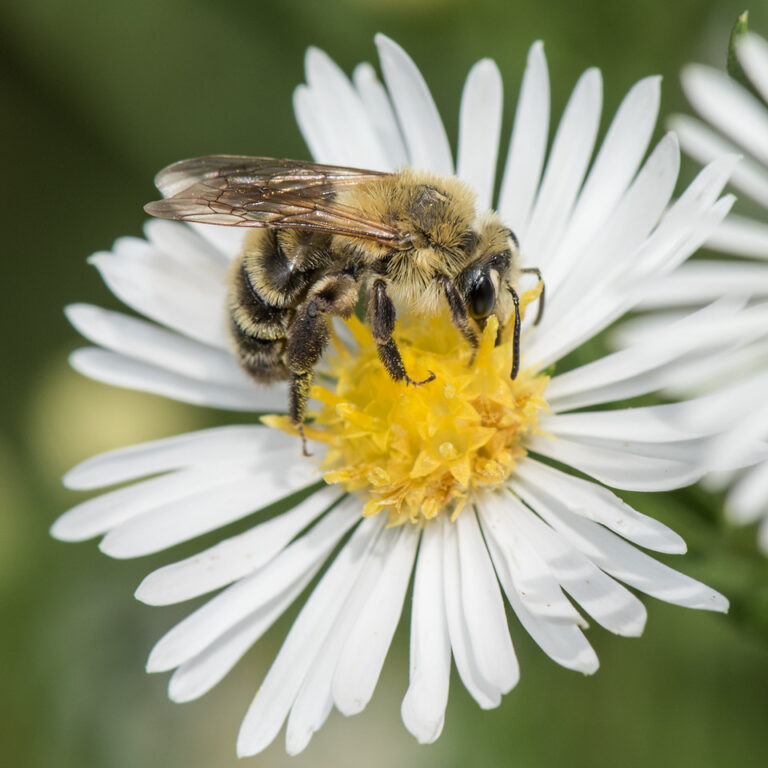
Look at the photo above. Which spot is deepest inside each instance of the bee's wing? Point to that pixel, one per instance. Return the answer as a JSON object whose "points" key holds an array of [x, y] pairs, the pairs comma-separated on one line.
{"points": [[264, 192]]}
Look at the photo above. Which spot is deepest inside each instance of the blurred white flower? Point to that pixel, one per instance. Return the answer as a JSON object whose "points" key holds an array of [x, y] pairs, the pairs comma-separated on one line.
{"points": [[450, 465], [737, 124]]}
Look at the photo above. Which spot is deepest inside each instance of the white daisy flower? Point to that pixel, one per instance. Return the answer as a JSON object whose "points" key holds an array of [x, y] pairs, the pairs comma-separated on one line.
{"points": [[736, 122], [453, 481]]}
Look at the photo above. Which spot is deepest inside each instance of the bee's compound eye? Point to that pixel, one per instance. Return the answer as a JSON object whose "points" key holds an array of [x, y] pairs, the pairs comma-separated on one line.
{"points": [[482, 296]]}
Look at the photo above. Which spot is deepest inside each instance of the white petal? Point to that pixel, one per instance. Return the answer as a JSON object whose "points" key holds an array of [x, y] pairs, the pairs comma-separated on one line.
{"points": [[197, 676], [636, 370], [688, 451], [198, 630], [379, 108], [278, 691], [226, 240], [314, 700], [729, 107], [152, 344], [747, 501], [701, 282], [683, 229], [477, 624], [367, 643], [563, 642], [703, 144], [479, 130], [220, 444], [577, 300], [623, 561], [531, 578], [729, 404], [752, 53], [355, 142], [154, 285], [620, 155], [607, 601], [612, 248], [233, 558], [567, 164], [422, 128], [638, 330], [746, 440], [188, 247], [212, 508], [600, 505], [619, 469], [741, 236], [708, 375], [120, 371], [616, 163], [528, 144], [423, 707], [102, 513], [312, 706], [314, 128], [653, 424], [717, 481], [459, 631], [667, 259]]}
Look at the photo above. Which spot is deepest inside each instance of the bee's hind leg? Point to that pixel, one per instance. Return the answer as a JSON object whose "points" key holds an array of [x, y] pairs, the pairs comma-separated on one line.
{"points": [[308, 335], [301, 383], [381, 316]]}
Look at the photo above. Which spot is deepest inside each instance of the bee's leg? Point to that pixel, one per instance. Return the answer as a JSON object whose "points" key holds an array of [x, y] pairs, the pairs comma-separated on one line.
{"points": [[381, 316], [536, 271], [301, 383], [459, 314], [308, 335]]}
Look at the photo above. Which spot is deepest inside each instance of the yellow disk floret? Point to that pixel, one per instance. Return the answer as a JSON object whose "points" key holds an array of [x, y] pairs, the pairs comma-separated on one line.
{"points": [[416, 450]]}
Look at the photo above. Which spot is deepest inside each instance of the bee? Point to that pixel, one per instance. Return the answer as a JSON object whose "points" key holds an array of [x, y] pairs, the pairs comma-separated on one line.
{"points": [[320, 234]]}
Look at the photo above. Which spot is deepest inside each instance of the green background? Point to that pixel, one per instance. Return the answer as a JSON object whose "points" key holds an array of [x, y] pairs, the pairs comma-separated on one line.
{"points": [[95, 96]]}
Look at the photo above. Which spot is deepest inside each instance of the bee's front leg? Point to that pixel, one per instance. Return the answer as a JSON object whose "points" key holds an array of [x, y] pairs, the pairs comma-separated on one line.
{"points": [[458, 309], [381, 317]]}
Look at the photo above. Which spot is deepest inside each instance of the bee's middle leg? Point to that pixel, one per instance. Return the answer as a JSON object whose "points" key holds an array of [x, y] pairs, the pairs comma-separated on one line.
{"points": [[381, 316]]}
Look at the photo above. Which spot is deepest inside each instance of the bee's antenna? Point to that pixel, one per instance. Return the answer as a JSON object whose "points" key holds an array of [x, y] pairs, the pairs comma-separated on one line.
{"points": [[516, 335], [536, 271]]}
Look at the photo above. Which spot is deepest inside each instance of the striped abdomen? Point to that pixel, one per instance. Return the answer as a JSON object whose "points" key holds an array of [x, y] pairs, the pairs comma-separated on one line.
{"points": [[270, 279]]}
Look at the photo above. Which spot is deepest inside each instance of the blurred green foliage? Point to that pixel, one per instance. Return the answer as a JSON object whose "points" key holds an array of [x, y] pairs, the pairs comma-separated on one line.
{"points": [[96, 96]]}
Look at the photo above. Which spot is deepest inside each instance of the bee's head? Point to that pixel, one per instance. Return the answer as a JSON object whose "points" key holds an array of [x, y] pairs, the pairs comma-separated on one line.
{"points": [[493, 266]]}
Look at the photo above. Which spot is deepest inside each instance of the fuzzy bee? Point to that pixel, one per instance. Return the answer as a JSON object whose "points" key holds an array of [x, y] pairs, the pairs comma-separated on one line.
{"points": [[322, 233]]}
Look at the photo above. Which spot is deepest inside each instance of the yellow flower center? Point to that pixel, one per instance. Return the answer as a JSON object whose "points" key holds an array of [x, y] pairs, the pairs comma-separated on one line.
{"points": [[416, 450]]}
